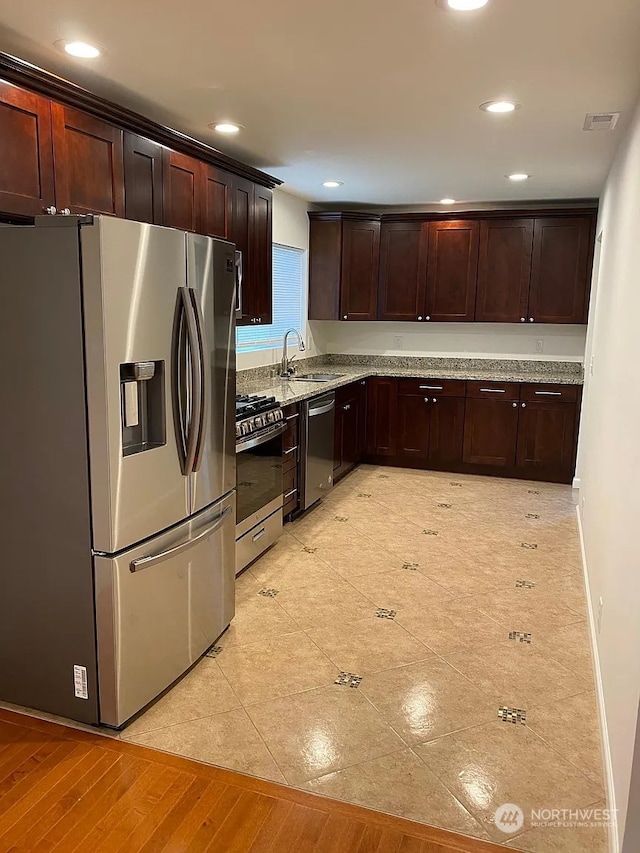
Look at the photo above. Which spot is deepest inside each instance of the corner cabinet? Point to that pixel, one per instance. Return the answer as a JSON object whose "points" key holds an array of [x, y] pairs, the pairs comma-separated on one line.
{"points": [[344, 252]]}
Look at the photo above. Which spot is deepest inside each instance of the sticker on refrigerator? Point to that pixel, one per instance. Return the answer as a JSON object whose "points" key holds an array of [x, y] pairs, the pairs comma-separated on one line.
{"points": [[80, 682]]}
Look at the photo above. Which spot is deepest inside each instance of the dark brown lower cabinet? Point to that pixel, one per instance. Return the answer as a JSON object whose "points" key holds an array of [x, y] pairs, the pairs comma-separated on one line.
{"points": [[349, 428], [413, 426], [490, 432], [546, 438], [382, 404], [446, 428]]}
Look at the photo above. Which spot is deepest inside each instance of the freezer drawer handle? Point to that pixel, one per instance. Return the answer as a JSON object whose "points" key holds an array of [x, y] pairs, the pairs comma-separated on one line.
{"points": [[154, 559]]}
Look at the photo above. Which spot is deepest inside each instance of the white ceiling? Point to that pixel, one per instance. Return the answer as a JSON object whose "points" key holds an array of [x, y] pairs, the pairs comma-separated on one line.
{"points": [[381, 95]]}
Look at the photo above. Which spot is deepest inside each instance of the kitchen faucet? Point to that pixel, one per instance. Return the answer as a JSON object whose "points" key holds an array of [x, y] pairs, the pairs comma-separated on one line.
{"points": [[285, 370]]}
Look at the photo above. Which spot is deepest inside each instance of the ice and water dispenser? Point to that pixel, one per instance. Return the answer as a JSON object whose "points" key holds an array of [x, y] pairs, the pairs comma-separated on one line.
{"points": [[143, 406]]}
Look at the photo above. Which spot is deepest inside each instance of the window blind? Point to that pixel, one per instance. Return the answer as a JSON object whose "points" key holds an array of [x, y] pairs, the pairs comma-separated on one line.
{"points": [[288, 302]]}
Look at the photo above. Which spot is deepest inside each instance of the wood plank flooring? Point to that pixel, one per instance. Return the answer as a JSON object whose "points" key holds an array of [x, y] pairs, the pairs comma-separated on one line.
{"points": [[65, 790]]}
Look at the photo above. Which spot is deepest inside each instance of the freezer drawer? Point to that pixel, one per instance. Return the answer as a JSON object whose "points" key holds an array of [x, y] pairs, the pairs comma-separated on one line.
{"points": [[159, 606]]}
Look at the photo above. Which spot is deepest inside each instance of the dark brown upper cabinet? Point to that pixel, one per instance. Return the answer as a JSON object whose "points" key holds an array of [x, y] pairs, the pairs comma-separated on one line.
{"points": [[183, 191], [89, 163], [26, 153], [560, 272], [504, 270], [344, 251], [452, 268], [218, 190], [403, 269], [260, 288], [142, 179]]}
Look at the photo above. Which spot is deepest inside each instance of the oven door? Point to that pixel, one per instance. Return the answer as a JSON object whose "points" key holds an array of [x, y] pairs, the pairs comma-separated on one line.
{"points": [[259, 476]]}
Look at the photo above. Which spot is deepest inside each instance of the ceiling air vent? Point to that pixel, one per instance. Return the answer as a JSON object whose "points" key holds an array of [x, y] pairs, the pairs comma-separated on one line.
{"points": [[601, 121]]}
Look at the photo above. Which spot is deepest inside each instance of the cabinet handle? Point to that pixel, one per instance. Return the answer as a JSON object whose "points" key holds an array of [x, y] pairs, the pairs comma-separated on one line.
{"points": [[431, 388], [514, 405], [291, 450], [531, 320], [493, 390], [524, 405], [548, 393], [292, 417], [523, 319], [289, 494]]}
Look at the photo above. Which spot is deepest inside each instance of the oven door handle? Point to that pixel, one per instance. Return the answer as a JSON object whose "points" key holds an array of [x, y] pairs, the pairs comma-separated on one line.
{"points": [[260, 439]]}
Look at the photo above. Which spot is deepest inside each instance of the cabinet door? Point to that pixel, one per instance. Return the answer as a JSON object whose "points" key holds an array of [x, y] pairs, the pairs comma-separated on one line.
{"points": [[504, 270], [452, 269], [382, 403], [547, 439], [413, 427], [360, 261], [240, 233], [217, 202], [446, 429], [26, 154], [261, 249], [490, 432], [561, 270], [183, 180], [142, 179], [403, 269], [89, 163], [362, 420]]}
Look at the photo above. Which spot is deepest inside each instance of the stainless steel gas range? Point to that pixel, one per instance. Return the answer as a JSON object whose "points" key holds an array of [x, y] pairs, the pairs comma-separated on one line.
{"points": [[259, 428]]}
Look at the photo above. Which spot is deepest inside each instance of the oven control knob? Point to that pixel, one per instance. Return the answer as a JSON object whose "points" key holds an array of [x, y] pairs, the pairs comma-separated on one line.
{"points": [[258, 421], [246, 427], [271, 416]]}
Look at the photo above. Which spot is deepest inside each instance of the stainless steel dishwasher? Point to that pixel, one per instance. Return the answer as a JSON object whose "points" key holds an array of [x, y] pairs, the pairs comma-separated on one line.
{"points": [[317, 470]]}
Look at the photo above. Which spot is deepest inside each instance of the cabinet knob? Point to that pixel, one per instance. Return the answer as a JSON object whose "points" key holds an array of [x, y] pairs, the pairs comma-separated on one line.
{"points": [[515, 405], [51, 210], [259, 319], [65, 212], [531, 320], [523, 319], [420, 317], [427, 317], [346, 408], [426, 399], [434, 399], [363, 382], [524, 405], [345, 316]]}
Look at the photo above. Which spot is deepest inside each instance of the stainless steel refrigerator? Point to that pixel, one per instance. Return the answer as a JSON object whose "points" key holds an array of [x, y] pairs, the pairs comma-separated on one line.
{"points": [[117, 442]]}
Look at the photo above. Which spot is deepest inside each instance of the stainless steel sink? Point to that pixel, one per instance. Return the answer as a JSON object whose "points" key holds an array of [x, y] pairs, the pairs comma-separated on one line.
{"points": [[316, 377]]}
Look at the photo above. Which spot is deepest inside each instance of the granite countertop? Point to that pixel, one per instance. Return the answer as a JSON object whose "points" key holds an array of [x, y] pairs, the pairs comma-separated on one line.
{"points": [[496, 370]]}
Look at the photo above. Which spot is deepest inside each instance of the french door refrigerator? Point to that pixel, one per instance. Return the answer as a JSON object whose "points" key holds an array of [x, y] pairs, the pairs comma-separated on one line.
{"points": [[117, 366]]}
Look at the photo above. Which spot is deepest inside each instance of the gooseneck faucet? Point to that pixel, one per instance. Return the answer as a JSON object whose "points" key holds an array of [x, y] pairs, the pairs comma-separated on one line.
{"points": [[285, 370]]}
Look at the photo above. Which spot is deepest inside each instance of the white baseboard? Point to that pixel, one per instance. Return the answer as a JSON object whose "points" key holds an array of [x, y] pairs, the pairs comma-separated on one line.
{"points": [[576, 483], [614, 839]]}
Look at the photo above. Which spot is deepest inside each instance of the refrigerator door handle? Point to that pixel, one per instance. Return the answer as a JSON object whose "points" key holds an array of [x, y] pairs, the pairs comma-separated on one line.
{"points": [[153, 559], [200, 411], [194, 359]]}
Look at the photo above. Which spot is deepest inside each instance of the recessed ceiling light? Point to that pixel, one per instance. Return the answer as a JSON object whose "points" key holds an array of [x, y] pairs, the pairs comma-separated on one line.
{"points": [[465, 5], [225, 127], [518, 176], [500, 106], [332, 184], [79, 49], [447, 201]]}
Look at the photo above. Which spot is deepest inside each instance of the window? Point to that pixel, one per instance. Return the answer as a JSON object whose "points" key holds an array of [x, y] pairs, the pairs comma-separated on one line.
{"points": [[288, 302]]}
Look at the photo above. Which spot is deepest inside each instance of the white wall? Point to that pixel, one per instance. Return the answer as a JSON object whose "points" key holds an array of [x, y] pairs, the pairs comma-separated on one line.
{"points": [[609, 462], [471, 340], [290, 228]]}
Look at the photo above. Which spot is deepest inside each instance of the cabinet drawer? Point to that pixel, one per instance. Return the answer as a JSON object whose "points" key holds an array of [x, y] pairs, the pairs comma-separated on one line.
{"points": [[498, 390], [289, 458], [433, 387], [292, 431], [290, 490], [551, 393]]}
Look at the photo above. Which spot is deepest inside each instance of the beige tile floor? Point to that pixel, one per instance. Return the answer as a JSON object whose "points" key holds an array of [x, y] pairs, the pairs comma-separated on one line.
{"points": [[419, 734]]}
